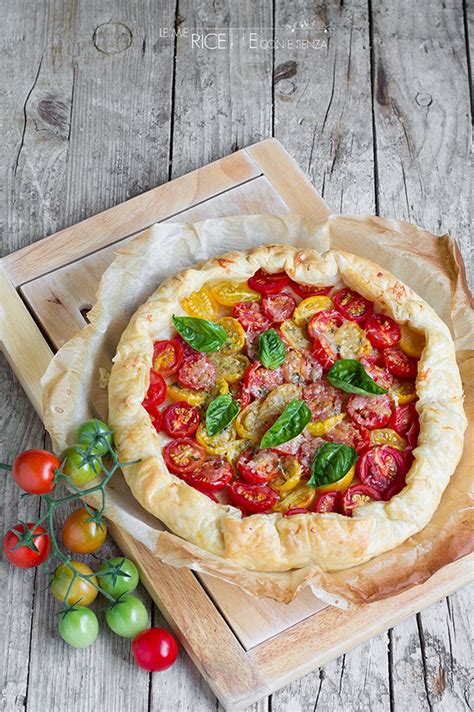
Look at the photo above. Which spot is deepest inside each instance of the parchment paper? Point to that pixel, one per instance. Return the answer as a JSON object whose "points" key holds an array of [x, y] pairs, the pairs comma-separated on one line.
{"points": [[73, 386]]}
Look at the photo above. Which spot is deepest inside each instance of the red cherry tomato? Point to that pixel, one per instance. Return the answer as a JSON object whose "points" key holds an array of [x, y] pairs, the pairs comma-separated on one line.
{"points": [[356, 495], [167, 356], [183, 455], [296, 510], [380, 467], [180, 420], [251, 317], [370, 411], [324, 353], [309, 290], [349, 434], [260, 380], [198, 373], [399, 364], [25, 557], [326, 321], [329, 502], [251, 498], [406, 423], [213, 475], [33, 471], [291, 447], [381, 376], [157, 420], [278, 307], [155, 395], [258, 467], [352, 305], [323, 400], [307, 451], [301, 367], [154, 649], [240, 393], [382, 331], [185, 347], [267, 283]]}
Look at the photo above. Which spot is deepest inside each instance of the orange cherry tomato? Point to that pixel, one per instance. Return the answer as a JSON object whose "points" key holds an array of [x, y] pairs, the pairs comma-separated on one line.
{"points": [[82, 533]]}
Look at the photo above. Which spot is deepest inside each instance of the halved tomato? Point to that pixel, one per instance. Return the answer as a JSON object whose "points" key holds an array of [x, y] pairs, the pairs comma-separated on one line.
{"points": [[198, 373], [402, 391], [324, 353], [301, 367], [326, 321], [387, 436], [411, 342], [352, 305], [329, 502], [156, 394], [309, 290], [370, 411], [267, 283], [380, 467], [180, 420], [183, 455], [351, 341], [260, 380], [293, 335], [296, 510], [349, 434], [258, 466], [406, 423], [381, 376], [251, 316], [200, 304], [251, 499], [323, 400], [167, 356], [241, 393], [231, 367], [301, 497], [213, 475], [278, 307], [357, 495], [230, 293], [235, 335], [399, 364], [382, 331], [309, 307], [193, 397]]}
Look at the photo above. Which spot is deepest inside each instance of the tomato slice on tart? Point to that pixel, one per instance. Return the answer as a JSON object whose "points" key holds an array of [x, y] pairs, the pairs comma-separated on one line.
{"points": [[349, 434], [212, 475], [183, 455], [382, 331], [251, 499], [180, 420], [156, 394], [240, 393], [260, 380], [167, 356], [326, 321], [309, 290], [399, 364], [370, 411], [296, 510], [322, 399], [307, 451], [267, 283], [258, 467], [381, 466], [381, 376], [157, 420], [406, 423], [278, 307], [301, 367], [251, 317], [324, 353], [353, 306], [300, 497], [357, 495], [329, 502], [198, 373]]}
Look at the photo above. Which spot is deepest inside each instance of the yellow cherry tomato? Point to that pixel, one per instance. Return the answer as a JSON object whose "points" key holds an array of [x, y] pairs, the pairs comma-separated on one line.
{"points": [[324, 426], [294, 335], [290, 477], [411, 342], [235, 335], [301, 496], [178, 393], [222, 387], [82, 591], [387, 436], [403, 391], [215, 444], [305, 309], [248, 424], [231, 366], [230, 293], [339, 486], [236, 448], [200, 304], [277, 400], [351, 341]]}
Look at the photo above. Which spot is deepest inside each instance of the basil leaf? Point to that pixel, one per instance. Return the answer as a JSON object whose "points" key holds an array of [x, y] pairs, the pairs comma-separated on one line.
{"points": [[350, 376], [331, 462], [220, 413], [272, 349], [291, 423], [201, 334]]}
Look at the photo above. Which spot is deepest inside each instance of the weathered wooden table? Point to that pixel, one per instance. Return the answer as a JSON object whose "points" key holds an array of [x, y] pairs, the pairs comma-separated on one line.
{"points": [[103, 100]]}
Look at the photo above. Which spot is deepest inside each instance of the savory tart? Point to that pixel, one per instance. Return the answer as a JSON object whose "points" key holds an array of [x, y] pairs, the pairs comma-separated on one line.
{"points": [[288, 408]]}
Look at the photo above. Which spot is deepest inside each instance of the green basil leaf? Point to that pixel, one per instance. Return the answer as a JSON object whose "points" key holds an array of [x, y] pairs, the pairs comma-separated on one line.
{"points": [[331, 462], [272, 349], [220, 413], [201, 334], [291, 423], [350, 376]]}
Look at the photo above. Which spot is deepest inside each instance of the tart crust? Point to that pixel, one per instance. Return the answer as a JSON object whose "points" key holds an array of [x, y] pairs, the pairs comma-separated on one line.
{"points": [[272, 542]]}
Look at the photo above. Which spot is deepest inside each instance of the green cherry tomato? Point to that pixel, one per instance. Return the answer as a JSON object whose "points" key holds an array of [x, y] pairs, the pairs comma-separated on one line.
{"points": [[122, 579], [128, 617], [80, 472], [78, 627], [95, 432]]}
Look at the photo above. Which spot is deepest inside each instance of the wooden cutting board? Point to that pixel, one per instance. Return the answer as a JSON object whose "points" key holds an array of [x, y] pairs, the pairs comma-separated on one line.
{"points": [[245, 648]]}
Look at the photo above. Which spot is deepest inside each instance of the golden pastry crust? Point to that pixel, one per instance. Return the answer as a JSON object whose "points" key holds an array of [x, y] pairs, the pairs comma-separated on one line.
{"points": [[271, 542]]}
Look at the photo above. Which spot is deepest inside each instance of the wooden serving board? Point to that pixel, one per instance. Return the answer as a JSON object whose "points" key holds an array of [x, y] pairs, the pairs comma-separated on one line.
{"points": [[245, 648]]}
